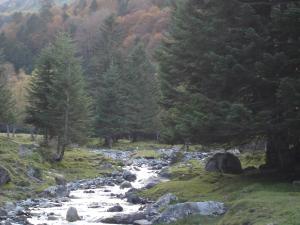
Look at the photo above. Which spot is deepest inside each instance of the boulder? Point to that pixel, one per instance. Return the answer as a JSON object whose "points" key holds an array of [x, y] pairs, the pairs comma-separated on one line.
{"points": [[60, 180], [160, 204], [124, 218], [142, 222], [165, 200], [56, 192], [72, 215], [224, 163], [152, 182], [3, 213], [182, 210], [116, 208], [125, 184], [35, 173], [4, 176], [165, 173], [94, 205], [135, 199], [127, 175]]}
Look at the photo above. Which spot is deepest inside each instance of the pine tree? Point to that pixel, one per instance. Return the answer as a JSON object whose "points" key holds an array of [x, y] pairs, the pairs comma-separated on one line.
{"points": [[7, 108], [94, 6], [106, 50], [109, 108], [228, 73], [140, 100], [58, 103]]}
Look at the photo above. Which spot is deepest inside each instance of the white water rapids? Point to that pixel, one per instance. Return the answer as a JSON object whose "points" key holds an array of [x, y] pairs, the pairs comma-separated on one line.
{"points": [[82, 202]]}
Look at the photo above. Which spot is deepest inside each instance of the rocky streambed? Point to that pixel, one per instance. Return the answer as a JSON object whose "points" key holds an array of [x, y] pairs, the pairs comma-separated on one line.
{"points": [[109, 200]]}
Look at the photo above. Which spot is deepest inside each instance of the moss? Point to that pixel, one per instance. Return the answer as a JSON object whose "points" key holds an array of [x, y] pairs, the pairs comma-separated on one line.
{"points": [[147, 154], [250, 200], [77, 164]]}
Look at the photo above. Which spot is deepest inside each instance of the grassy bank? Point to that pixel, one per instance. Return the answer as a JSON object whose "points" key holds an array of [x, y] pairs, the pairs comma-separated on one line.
{"points": [[77, 164], [251, 200]]}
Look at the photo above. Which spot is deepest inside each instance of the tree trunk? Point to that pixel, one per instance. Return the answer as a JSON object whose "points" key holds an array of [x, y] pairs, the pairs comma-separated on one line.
{"points": [[278, 153], [7, 130], [108, 141], [14, 131], [134, 137], [32, 134], [157, 136], [60, 150]]}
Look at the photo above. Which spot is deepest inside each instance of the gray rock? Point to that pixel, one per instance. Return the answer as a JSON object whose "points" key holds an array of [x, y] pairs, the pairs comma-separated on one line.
{"points": [[116, 208], [135, 199], [4, 176], [124, 218], [165, 200], [9, 206], [94, 205], [182, 210], [165, 173], [152, 182], [72, 215], [142, 222], [60, 180], [125, 184], [127, 175], [52, 218], [56, 191], [119, 179], [3, 212], [25, 150], [34, 172], [224, 163], [89, 192]]}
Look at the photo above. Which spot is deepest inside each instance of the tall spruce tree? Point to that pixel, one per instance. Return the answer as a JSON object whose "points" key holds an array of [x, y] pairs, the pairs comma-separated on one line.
{"points": [[226, 74], [58, 103], [7, 116], [109, 109], [140, 100], [106, 50]]}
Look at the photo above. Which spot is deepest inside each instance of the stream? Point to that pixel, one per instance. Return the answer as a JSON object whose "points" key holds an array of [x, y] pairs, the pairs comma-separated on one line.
{"points": [[96, 200], [93, 204]]}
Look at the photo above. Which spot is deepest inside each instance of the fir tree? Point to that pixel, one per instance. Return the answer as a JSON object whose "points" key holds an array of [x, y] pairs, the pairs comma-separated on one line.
{"points": [[228, 73], [109, 109], [58, 102], [7, 109], [140, 100], [94, 6]]}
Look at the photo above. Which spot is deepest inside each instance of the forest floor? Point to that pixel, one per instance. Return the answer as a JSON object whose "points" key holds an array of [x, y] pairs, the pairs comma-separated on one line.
{"points": [[250, 200]]}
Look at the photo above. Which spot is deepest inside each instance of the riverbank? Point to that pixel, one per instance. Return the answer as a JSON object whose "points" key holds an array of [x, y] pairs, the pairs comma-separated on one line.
{"points": [[31, 173], [250, 199]]}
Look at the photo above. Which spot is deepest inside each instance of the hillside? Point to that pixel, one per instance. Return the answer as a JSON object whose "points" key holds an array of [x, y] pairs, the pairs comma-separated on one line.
{"points": [[11, 6]]}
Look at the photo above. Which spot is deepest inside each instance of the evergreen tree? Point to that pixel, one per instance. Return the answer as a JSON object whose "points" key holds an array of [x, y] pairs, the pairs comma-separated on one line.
{"points": [[106, 50], [140, 100], [94, 6], [228, 73], [109, 109], [58, 103], [6, 100]]}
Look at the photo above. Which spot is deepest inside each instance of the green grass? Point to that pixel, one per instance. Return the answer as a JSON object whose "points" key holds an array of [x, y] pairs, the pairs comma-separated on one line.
{"points": [[150, 154], [77, 164], [251, 200], [127, 145]]}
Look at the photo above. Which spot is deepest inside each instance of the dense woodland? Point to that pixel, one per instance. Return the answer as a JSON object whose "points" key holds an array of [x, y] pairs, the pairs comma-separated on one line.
{"points": [[207, 72]]}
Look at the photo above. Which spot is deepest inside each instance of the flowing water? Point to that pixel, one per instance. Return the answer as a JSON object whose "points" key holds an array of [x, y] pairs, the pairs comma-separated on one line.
{"points": [[102, 197]]}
